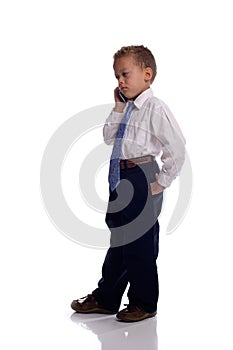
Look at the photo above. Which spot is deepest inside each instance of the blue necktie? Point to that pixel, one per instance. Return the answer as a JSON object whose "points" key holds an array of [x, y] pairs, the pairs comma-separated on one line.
{"points": [[114, 169]]}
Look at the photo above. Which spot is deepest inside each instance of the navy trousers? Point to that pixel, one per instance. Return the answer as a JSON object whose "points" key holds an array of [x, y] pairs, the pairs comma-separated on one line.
{"points": [[132, 218]]}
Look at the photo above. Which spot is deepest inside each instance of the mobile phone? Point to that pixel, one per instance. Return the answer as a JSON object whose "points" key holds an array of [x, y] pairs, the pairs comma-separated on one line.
{"points": [[122, 97]]}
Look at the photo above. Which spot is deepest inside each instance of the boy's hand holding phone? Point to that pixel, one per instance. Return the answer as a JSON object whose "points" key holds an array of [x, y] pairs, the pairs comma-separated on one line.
{"points": [[120, 104]]}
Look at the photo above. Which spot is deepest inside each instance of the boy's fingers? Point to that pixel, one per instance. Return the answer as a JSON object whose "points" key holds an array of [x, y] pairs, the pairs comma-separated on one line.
{"points": [[156, 176]]}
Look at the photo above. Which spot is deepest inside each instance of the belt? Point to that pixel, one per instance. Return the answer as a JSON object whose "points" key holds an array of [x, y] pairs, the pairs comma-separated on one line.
{"points": [[131, 163]]}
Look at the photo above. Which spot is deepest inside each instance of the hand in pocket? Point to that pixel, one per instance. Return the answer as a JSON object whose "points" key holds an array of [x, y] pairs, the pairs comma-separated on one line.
{"points": [[155, 187]]}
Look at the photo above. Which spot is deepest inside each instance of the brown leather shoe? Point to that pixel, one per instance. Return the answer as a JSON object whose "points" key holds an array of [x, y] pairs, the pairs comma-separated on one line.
{"points": [[133, 313], [88, 304]]}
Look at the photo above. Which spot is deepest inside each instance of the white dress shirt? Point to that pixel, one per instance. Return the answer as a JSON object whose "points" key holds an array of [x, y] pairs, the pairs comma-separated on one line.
{"points": [[151, 130]]}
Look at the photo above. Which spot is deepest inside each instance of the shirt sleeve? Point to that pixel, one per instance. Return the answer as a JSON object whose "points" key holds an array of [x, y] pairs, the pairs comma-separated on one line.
{"points": [[172, 141], [111, 126]]}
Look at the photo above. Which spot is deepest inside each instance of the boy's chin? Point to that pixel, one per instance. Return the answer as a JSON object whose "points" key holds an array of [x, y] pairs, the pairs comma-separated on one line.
{"points": [[131, 97], [134, 97]]}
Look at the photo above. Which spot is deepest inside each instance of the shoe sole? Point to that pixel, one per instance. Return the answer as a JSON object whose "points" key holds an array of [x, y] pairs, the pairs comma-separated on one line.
{"points": [[135, 320]]}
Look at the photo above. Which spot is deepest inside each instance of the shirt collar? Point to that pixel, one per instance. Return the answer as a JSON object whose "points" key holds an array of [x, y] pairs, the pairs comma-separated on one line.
{"points": [[143, 97]]}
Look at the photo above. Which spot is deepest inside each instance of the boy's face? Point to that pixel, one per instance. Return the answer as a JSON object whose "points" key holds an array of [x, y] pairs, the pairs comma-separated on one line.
{"points": [[132, 79]]}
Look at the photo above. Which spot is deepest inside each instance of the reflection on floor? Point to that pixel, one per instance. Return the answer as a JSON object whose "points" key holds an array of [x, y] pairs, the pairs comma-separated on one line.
{"points": [[115, 335]]}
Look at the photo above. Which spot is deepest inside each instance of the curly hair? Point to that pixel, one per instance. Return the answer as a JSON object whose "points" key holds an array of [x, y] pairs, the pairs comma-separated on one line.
{"points": [[142, 56]]}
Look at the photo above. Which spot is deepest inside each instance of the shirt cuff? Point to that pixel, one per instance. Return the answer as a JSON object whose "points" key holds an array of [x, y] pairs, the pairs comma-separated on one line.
{"points": [[114, 117]]}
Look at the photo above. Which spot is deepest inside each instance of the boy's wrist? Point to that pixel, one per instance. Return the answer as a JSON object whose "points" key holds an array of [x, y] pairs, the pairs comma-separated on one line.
{"points": [[119, 107], [156, 188]]}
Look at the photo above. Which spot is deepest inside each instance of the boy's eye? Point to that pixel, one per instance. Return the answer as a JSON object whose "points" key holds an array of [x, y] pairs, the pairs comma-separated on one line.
{"points": [[124, 74]]}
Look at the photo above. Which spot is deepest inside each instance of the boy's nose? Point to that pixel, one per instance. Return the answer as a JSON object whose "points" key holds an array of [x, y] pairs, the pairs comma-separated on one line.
{"points": [[121, 81]]}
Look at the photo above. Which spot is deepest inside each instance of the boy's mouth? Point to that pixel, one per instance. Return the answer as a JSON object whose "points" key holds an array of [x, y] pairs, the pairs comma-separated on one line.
{"points": [[123, 88]]}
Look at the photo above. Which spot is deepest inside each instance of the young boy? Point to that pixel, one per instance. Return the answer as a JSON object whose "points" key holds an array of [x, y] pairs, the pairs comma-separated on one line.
{"points": [[140, 127]]}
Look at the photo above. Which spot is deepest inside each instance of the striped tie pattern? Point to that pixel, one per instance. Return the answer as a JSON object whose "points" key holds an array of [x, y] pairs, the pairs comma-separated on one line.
{"points": [[114, 169]]}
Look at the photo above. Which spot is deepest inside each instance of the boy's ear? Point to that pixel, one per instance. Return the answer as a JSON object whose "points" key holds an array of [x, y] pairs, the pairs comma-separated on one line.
{"points": [[148, 73]]}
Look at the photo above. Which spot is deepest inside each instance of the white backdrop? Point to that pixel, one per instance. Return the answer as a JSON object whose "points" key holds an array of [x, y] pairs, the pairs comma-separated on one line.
{"points": [[56, 60]]}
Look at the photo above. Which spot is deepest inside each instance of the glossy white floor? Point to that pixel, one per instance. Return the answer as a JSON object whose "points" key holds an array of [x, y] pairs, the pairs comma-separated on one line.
{"points": [[104, 333]]}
